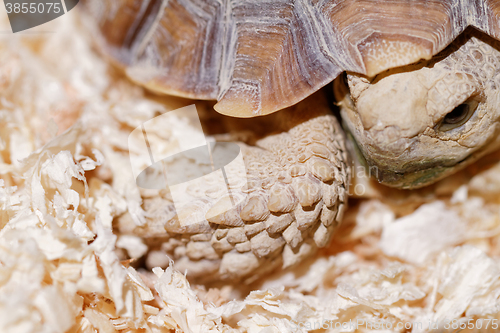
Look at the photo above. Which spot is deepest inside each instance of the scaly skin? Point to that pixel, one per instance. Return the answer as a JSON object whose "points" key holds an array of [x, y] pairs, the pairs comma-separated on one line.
{"points": [[295, 197], [397, 117]]}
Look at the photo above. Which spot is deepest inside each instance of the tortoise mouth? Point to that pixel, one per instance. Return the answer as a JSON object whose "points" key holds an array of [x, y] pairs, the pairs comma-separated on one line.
{"points": [[411, 176], [407, 176], [411, 180]]}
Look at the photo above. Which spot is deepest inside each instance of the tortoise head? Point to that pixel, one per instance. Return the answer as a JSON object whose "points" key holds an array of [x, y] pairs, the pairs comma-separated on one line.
{"points": [[419, 123]]}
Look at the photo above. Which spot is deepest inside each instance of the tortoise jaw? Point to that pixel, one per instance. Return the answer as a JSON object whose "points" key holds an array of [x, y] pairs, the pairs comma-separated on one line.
{"points": [[411, 180], [387, 171], [410, 176]]}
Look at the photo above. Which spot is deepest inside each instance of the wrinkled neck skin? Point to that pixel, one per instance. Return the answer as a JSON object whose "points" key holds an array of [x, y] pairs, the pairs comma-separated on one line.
{"points": [[402, 119]]}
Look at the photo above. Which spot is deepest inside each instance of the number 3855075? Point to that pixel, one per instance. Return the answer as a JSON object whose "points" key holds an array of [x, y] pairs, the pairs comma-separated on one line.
{"points": [[40, 8]]}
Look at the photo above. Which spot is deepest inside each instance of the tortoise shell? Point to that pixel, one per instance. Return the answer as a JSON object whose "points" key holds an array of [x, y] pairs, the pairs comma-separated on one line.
{"points": [[257, 57]]}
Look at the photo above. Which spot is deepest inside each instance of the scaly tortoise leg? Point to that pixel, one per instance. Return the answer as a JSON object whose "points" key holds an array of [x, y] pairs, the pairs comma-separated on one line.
{"points": [[296, 196]]}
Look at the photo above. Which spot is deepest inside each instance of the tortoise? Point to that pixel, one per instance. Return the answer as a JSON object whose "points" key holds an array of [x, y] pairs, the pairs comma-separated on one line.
{"points": [[415, 81]]}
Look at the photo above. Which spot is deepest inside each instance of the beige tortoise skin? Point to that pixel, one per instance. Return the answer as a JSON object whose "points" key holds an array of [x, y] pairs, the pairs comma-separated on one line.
{"points": [[416, 110]]}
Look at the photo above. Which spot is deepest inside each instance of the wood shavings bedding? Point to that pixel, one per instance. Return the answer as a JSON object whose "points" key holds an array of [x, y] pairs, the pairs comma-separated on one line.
{"points": [[402, 262]]}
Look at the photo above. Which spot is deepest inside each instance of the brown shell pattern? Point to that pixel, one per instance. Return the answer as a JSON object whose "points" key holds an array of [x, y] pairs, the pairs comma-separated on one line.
{"points": [[257, 57]]}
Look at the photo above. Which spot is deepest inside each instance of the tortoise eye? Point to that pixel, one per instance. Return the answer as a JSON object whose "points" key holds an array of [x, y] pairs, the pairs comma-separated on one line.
{"points": [[458, 116]]}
